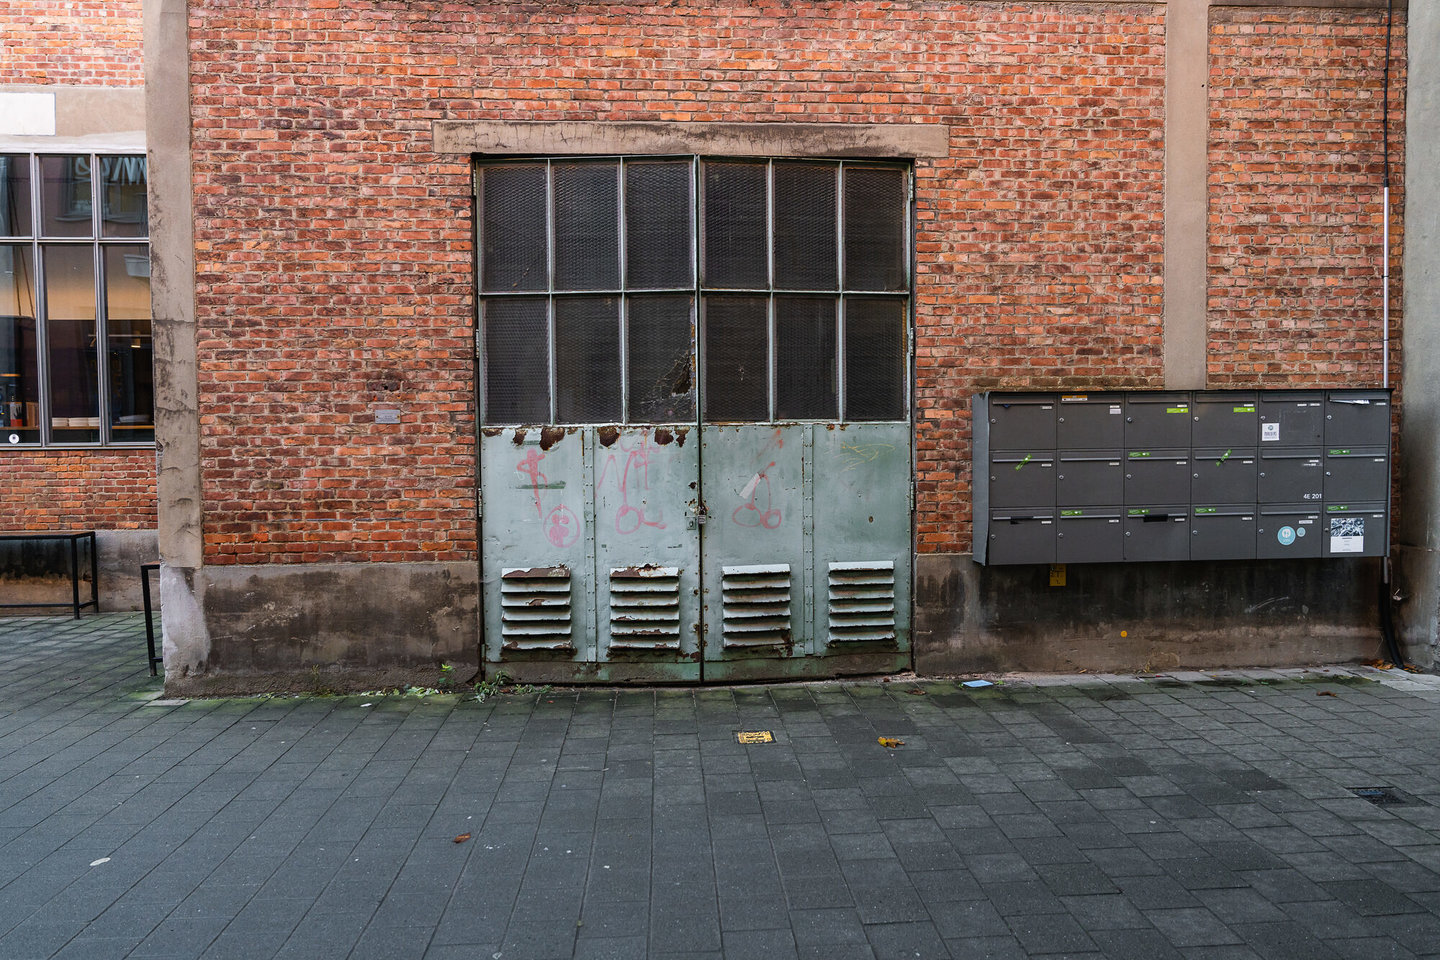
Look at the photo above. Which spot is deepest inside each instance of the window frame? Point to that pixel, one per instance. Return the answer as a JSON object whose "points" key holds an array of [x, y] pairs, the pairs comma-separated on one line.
{"points": [[699, 291], [98, 243]]}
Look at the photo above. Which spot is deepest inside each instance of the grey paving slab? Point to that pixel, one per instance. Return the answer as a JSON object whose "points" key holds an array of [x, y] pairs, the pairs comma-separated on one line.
{"points": [[1198, 816]]}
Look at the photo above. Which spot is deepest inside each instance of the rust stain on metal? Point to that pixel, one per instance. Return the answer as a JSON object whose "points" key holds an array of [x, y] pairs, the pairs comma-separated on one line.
{"points": [[639, 571], [493, 431], [549, 436], [519, 436], [608, 435], [680, 436], [664, 437]]}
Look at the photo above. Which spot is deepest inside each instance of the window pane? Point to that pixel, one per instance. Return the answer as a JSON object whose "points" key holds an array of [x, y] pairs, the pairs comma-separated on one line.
{"points": [[512, 227], [517, 354], [805, 363], [70, 334], [65, 196], [736, 359], [805, 250], [15, 195], [875, 202], [735, 241], [19, 358], [657, 224], [874, 359], [662, 383], [587, 360], [130, 352], [123, 212], [587, 232]]}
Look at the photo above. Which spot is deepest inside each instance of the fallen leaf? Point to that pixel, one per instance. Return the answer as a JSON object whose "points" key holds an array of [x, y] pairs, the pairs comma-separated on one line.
{"points": [[891, 742], [462, 838], [916, 691], [1325, 693]]}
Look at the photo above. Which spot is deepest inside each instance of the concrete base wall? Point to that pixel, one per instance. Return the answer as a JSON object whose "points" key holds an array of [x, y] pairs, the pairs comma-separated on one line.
{"points": [[334, 627], [1417, 618], [38, 572], [1143, 617]]}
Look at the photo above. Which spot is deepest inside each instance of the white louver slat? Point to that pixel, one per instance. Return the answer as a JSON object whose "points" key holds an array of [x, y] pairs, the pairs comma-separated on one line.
{"points": [[645, 608], [862, 602], [535, 608]]}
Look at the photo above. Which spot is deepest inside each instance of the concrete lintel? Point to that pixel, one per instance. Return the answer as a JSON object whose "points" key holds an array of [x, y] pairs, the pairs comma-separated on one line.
{"points": [[89, 112], [569, 138]]}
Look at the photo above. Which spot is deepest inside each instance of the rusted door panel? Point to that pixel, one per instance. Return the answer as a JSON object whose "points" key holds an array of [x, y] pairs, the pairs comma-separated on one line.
{"points": [[537, 561], [755, 614], [647, 552]]}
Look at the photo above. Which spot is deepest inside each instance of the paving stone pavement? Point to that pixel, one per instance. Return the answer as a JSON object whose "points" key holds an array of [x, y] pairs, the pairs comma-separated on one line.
{"points": [[1198, 816]]}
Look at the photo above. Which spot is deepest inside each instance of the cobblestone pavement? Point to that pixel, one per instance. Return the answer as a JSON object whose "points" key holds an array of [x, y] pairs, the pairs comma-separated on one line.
{"points": [[1193, 815]]}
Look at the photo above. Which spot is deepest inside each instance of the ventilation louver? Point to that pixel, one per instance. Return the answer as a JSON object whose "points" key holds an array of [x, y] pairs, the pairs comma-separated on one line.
{"points": [[645, 608], [862, 602], [756, 602], [535, 608]]}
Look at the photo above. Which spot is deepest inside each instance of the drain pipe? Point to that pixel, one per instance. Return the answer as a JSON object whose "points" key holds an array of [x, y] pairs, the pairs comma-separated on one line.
{"points": [[1387, 594]]}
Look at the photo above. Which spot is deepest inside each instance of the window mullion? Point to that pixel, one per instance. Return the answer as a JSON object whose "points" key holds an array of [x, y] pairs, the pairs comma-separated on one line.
{"points": [[840, 273], [622, 251], [550, 365], [772, 361]]}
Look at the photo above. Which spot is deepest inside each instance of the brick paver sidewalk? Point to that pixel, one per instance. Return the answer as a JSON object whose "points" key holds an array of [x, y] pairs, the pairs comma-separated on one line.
{"points": [[1192, 816]]}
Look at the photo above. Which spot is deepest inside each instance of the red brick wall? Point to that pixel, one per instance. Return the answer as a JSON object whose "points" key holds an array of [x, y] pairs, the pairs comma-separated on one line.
{"points": [[69, 489], [71, 42], [1295, 196], [335, 253]]}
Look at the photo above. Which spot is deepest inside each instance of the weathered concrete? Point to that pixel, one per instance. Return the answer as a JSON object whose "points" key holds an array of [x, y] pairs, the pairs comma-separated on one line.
{"points": [[341, 626], [39, 571], [172, 291], [720, 139], [1418, 537], [1187, 111], [1142, 617], [89, 110]]}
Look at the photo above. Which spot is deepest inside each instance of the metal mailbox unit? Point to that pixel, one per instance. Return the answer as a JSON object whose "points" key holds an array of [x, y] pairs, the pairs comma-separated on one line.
{"points": [[1167, 475]]}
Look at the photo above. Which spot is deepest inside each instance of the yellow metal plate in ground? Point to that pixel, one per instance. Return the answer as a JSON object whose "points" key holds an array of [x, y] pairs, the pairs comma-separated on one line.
{"points": [[754, 736]]}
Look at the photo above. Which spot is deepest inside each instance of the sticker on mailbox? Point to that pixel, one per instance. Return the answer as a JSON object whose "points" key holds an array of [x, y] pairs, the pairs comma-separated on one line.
{"points": [[1286, 536], [1270, 432], [1347, 534]]}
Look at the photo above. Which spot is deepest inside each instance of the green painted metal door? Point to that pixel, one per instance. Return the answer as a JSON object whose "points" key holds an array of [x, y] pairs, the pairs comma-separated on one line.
{"points": [[695, 460]]}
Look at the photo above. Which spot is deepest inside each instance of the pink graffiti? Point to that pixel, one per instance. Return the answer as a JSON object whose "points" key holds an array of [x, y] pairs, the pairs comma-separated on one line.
{"points": [[530, 466], [630, 518], [749, 514], [562, 528]]}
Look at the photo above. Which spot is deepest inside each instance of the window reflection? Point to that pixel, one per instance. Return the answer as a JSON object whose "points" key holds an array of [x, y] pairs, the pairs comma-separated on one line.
{"points": [[70, 336], [19, 359], [65, 194], [15, 195], [127, 328]]}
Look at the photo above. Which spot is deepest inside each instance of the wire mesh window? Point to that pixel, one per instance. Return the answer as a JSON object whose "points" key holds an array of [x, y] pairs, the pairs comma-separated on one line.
{"points": [[595, 275], [75, 333]]}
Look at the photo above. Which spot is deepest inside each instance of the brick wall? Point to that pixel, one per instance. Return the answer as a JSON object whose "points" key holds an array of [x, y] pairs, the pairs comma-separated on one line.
{"points": [[335, 253], [71, 42], [1295, 196], [69, 489]]}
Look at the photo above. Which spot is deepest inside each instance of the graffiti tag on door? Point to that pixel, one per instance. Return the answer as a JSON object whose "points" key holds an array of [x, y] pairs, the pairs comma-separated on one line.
{"points": [[758, 508], [561, 526], [633, 476]]}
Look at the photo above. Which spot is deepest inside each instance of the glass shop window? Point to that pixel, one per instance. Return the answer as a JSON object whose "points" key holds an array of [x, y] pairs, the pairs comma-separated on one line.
{"points": [[76, 355]]}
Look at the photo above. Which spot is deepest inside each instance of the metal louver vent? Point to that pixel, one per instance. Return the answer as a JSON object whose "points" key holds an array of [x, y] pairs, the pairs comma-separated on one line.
{"points": [[645, 608], [535, 608], [756, 605], [862, 602]]}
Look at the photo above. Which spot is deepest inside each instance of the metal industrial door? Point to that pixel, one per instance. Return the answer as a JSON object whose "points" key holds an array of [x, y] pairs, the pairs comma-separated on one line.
{"points": [[685, 480]]}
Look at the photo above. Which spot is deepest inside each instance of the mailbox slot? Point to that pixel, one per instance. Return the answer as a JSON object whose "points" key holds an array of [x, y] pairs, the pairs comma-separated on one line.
{"points": [[1019, 537], [1091, 535], [1022, 421], [1224, 420], [1355, 530], [1090, 421], [1357, 418], [1225, 475], [1292, 418], [1288, 531], [1357, 474], [1290, 476], [1157, 420], [1157, 476], [1222, 533], [1157, 533], [1086, 478], [1020, 480]]}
